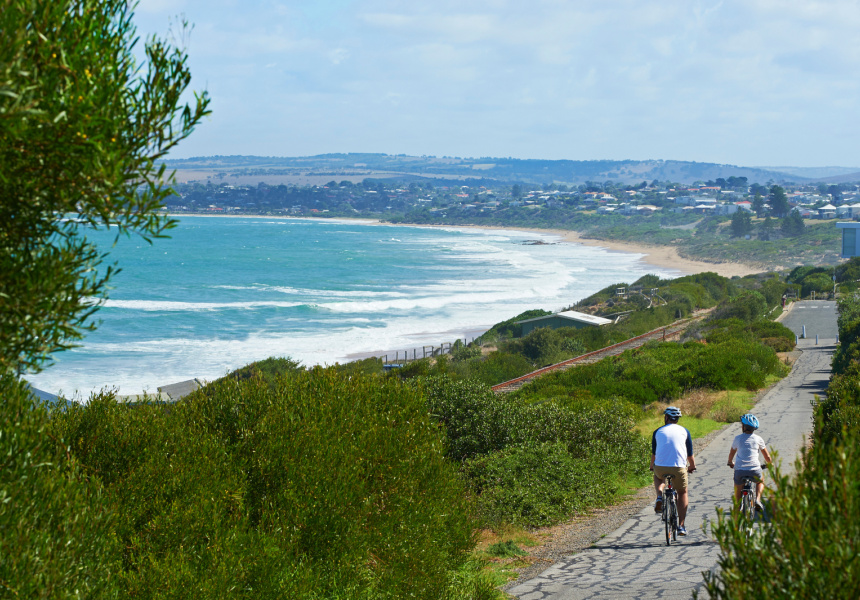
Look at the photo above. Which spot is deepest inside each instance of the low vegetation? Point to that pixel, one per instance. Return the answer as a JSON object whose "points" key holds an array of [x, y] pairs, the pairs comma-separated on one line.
{"points": [[316, 485], [810, 548], [356, 482]]}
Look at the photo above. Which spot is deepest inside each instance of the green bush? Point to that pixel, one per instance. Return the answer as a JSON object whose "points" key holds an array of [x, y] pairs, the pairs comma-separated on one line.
{"points": [[321, 485], [819, 283], [535, 484], [799, 274], [770, 333], [541, 346], [493, 434], [747, 307], [476, 421], [664, 371], [848, 271], [840, 407], [778, 344], [494, 368], [810, 547], [56, 525]]}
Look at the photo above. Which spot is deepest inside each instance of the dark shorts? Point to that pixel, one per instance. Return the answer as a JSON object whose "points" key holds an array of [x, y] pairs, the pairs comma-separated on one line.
{"points": [[741, 473]]}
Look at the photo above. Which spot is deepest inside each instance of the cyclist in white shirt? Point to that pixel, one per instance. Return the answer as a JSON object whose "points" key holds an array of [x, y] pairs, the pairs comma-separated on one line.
{"points": [[743, 457], [672, 454]]}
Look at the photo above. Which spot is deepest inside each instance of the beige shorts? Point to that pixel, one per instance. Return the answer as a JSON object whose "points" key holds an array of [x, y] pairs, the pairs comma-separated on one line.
{"points": [[679, 476]]}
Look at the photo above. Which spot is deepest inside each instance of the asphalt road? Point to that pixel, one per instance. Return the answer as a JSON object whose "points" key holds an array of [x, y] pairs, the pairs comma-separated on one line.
{"points": [[634, 561], [819, 317]]}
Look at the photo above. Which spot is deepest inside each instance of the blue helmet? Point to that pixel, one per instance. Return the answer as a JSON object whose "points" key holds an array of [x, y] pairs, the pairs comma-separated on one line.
{"points": [[673, 412], [750, 421]]}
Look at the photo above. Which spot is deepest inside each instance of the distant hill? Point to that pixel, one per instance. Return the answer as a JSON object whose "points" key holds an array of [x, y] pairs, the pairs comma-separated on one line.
{"points": [[325, 167], [821, 173]]}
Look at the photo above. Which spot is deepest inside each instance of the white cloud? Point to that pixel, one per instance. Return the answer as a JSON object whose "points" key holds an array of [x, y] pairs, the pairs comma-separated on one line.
{"points": [[694, 79]]}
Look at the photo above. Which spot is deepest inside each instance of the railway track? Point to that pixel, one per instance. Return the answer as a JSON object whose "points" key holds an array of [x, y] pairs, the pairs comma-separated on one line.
{"points": [[669, 333]]}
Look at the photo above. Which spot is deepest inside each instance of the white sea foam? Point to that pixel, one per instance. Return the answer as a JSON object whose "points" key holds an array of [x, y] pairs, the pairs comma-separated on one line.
{"points": [[176, 306], [454, 281]]}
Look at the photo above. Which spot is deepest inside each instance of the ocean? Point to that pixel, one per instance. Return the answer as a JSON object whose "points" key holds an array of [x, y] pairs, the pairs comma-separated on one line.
{"points": [[224, 292]]}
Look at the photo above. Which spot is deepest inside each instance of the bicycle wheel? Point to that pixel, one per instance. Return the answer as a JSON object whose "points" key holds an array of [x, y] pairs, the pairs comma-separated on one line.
{"points": [[745, 522], [674, 521], [667, 518]]}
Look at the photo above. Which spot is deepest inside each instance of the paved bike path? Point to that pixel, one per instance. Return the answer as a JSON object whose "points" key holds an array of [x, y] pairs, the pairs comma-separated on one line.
{"points": [[634, 561]]}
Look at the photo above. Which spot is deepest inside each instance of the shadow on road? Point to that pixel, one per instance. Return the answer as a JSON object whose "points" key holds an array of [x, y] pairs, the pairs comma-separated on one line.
{"points": [[658, 542]]}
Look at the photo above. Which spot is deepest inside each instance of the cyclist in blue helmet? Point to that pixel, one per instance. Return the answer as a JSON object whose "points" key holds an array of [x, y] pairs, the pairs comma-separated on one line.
{"points": [[672, 454], [743, 457]]}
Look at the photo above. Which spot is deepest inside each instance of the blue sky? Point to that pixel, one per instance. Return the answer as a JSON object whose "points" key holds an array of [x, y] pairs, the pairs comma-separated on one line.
{"points": [[748, 82]]}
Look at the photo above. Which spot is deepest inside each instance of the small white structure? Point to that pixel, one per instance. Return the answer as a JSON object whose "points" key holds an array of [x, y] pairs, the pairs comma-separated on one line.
{"points": [[568, 318]]}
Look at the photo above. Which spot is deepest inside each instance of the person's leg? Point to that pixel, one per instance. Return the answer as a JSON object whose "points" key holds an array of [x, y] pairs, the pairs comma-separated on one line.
{"points": [[658, 485], [759, 488], [682, 507], [738, 490]]}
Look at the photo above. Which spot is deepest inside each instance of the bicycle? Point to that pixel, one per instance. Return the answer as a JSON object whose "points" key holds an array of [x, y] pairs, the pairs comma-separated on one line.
{"points": [[748, 504], [670, 511]]}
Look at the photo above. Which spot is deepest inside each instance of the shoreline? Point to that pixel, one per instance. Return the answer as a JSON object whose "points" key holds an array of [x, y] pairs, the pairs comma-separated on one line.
{"points": [[665, 257]]}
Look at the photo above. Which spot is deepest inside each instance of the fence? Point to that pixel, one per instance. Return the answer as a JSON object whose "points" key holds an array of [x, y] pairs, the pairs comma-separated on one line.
{"points": [[426, 352]]}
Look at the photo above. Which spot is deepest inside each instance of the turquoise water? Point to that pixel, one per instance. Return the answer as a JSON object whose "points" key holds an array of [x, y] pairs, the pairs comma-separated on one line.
{"points": [[223, 292]]}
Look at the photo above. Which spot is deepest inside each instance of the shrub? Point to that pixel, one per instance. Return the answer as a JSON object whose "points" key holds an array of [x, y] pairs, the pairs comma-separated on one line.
{"points": [[819, 283], [321, 485], [848, 271], [56, 527], [778, 344], [534, 484], [540, 345], [496, 368], [747, 307], [810, 547], [476, 421]]}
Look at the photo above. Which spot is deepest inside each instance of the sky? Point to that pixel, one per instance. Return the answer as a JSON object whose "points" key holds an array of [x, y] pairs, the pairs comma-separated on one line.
{"points": [[746, 82]]}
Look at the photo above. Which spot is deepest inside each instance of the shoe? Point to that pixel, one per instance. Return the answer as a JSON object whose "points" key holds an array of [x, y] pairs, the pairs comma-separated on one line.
{"points": [[682, 531], [759, 507], [658, 506]]}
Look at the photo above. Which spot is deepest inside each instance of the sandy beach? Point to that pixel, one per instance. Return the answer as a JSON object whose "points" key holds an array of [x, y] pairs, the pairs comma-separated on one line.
{"points": [[665, 256]]}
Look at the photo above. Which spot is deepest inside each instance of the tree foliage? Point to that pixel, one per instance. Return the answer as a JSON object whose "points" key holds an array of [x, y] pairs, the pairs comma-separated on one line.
{"points": [[741, 223], [81, 128], [793, 224], [778, 201]]}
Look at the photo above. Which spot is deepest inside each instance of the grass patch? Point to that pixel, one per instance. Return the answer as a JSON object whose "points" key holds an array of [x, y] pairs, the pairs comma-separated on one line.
{"points": [[506, 549], [704, 410], [501, 552]]}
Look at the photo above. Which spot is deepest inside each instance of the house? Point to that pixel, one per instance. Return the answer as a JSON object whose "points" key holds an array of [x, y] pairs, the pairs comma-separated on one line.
{"points": [[568, 318], [828, 211], [726, 208]]}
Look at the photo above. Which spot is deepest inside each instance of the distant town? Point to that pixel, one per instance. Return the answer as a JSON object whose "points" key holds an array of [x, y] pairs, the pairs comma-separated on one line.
{"points": [[773, 226], [376, 198]]}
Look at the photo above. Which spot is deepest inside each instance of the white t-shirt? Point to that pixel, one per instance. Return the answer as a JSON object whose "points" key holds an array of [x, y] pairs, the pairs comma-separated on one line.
{"points": [[748, 446], [671, 444]]}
